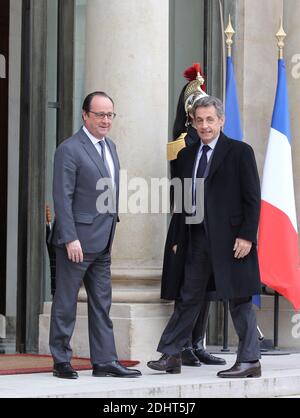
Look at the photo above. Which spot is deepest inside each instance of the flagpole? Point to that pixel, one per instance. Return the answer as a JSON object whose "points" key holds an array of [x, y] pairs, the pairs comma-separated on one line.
{"points": [[280, 35], [229, 32]]}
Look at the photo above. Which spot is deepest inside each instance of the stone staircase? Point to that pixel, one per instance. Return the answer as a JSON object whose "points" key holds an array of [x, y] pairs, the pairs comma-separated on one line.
{"points": [[280, 378]]}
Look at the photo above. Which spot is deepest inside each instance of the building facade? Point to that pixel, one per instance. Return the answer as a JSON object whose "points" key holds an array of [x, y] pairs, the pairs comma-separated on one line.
{"points": [[53, 52]]}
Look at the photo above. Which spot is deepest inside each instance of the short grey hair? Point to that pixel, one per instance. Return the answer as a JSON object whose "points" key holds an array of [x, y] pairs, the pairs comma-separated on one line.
{"points": [[208, 101]]}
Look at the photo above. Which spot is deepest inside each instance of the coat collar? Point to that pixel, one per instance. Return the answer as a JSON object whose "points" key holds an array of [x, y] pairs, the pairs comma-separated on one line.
{"points": [[223, 146]]}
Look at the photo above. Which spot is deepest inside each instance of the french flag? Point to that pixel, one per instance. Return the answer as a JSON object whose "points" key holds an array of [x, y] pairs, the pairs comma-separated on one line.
{"points": [[278, 233], [233, 127]]}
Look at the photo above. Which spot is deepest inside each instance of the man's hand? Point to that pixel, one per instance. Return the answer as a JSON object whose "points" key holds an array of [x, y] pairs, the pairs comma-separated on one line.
{"points": [[241, 248], [174, 249], [74, 250]]}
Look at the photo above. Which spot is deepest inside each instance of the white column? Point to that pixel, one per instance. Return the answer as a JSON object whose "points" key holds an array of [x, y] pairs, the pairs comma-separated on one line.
{"points": [[127, 56]]}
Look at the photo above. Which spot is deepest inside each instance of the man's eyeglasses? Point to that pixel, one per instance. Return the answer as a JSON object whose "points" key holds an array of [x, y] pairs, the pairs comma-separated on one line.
{"points": [[102, 115]]}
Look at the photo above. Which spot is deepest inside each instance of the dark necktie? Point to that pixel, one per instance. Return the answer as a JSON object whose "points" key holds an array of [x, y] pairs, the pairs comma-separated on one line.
{"points": [[201, 170], [203, 161], [103, 153]]}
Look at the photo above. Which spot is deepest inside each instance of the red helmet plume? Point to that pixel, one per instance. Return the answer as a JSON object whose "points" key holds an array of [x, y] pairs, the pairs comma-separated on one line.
{"points": [[191, 73]]}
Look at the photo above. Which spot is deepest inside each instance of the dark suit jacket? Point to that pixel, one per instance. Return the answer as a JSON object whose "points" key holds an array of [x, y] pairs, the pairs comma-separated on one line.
{"points": [[232, 207], [77, 169]]}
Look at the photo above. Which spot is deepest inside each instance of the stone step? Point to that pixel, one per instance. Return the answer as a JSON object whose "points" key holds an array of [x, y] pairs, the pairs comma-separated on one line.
{"points": [[281, 378]]}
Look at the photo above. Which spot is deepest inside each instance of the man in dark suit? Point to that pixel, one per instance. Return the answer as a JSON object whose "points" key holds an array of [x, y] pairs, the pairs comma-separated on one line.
{"points": [[83, 235], [221, 248], [195, 353]]}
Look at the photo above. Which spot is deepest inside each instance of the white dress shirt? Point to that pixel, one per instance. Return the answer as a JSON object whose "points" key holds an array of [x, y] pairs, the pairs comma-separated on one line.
{"points": [[109, 159], [209, 153]]}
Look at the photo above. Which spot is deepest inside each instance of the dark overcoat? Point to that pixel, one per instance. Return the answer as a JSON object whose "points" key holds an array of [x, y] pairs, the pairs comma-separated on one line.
{"points": [[232, 207]]}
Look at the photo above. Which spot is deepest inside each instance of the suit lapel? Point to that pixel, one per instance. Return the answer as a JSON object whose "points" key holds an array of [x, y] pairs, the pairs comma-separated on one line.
{"points": [[93, 154], [222, 148]]}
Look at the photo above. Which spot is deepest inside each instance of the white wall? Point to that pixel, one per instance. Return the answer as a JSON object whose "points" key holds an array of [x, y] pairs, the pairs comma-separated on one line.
{"points": [[127, 56]]}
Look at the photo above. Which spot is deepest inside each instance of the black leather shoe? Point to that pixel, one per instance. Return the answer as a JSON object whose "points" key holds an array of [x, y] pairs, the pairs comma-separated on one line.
{"points": [[206, 358], [242, 370], [167, 363], [189, 359], [64, 371], [114, 369]]}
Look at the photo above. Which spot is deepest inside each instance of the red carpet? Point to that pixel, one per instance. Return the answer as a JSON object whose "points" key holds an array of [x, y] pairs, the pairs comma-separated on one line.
{"points": [[35, 363]]}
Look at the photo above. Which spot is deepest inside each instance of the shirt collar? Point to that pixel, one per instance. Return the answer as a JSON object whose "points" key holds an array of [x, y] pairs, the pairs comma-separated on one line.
{"points": [[92, 137], [212, 144]]}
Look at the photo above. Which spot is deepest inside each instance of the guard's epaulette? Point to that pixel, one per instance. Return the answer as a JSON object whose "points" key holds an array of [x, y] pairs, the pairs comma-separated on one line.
{"points": [[173, 147]]}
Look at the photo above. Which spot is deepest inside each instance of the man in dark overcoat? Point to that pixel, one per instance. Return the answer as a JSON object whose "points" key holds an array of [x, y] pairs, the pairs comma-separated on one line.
{"points": [[221, 248], [185, 135]]}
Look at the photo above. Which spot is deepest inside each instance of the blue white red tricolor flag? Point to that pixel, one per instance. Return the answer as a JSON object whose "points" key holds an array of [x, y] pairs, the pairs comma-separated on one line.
{"points": [[278, 249], [233, 127]]}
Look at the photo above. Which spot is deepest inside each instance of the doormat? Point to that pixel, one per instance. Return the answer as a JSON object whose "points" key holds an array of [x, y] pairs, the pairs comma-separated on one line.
{"points": [[36, 363]]}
